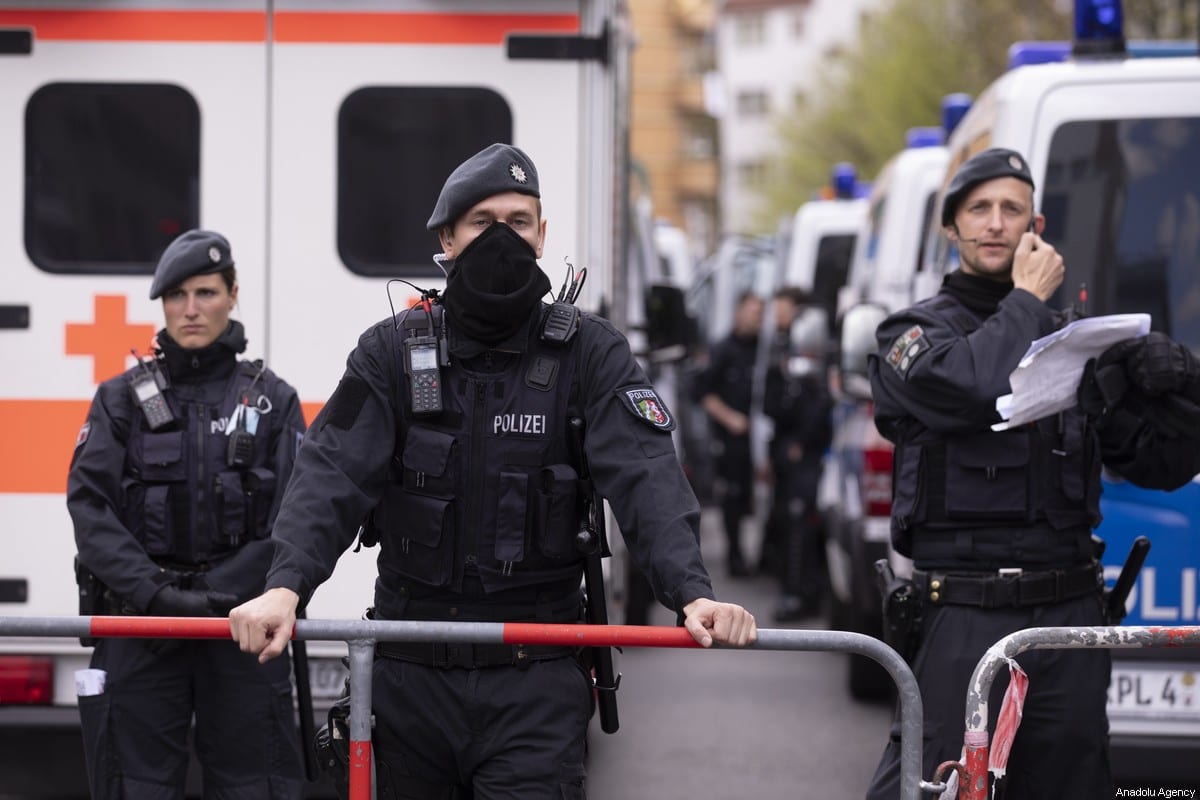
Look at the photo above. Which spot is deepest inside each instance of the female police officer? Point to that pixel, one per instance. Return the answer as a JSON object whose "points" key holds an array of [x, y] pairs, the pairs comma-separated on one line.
{"points": [[476, 504], [173, 490]]}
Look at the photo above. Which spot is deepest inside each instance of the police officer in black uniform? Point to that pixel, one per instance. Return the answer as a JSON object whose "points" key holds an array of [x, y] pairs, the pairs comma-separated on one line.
{"points": [[999, 523], [727, 395], [173, 489], [796, 398], [476, 504]]}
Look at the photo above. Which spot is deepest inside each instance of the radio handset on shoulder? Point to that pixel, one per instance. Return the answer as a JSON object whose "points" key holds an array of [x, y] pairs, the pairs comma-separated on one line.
{"points": [[423, 356], [146, 384], [562, 320]]}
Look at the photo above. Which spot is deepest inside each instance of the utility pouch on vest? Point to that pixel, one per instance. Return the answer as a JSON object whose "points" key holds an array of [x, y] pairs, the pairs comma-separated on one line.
{"points": [[901, 611], [91, 596]]}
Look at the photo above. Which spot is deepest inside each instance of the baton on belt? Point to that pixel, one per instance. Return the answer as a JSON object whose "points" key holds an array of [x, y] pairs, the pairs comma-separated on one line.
{"points": [[593, 542], [304, 704], [1115, 602]]}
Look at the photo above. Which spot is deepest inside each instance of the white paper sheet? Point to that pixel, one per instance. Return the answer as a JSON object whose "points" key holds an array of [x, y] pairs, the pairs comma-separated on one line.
{"points": [[1047, 378]]}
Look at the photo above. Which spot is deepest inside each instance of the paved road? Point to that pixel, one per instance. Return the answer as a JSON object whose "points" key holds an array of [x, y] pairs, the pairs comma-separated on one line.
{"points": [[729, 724]]}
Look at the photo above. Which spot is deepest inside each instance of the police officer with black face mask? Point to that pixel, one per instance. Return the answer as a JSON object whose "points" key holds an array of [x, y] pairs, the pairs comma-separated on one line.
{"points": [[173, 489], [999, 523], [476, 503]]}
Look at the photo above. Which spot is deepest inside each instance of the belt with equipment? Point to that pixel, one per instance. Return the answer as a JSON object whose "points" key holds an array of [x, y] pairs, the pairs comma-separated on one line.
{"points": [[1008, 588], [470, 656]]}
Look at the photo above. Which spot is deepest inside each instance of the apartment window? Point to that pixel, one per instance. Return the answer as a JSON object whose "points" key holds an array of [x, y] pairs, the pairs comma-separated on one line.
{"points": [[396, 145], [698, 140], [750, 30], [799, 15], [112, 175], [753, 103], [752, 174]]}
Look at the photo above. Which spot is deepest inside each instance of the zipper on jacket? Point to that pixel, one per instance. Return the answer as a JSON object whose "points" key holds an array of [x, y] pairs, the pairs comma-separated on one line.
{"points": [[472, 516]]}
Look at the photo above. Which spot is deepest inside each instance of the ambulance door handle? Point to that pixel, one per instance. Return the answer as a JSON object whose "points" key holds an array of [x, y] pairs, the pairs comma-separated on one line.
{"points": [[14, 590], [16, 41], [522, 47], [14, 317]]}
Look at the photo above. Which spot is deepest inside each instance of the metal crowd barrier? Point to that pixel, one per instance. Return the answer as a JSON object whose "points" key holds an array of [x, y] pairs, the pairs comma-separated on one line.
{"points": [[363, 635], [973, 770]]}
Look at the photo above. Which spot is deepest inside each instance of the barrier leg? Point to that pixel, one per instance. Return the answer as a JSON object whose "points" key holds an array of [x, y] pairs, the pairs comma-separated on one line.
{"points": [[362, 659]]}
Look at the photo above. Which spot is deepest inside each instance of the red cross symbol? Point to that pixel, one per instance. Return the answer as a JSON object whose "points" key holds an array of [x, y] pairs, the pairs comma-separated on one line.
{"points": [[108, 339]]}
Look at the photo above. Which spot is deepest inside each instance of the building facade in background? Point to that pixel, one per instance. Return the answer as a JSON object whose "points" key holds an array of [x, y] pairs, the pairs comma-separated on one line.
{"points": [[673, 134], [770, 57]]}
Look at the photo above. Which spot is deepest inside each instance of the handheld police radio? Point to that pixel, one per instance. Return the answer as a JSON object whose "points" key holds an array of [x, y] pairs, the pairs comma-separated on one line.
{"points": [[422, 361], [242, 426], [239, 452], [146, 385]]}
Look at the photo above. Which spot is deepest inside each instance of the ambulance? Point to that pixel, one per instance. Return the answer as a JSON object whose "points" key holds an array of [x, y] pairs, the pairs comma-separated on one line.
{"points": [[315, 136], [1111, 131]]}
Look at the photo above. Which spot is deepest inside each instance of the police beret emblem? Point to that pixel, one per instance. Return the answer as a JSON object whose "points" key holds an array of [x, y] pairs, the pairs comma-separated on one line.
{"points": [[214, 255], [1015, 163], [517, 173]]}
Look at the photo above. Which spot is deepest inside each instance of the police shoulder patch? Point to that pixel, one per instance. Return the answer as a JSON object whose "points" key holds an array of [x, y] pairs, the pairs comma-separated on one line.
{"points": [[84, 433], [906, 349], [645, 404]]}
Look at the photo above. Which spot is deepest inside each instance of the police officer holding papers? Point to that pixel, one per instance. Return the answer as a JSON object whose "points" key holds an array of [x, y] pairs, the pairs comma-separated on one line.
{"points": [[999, 523], [173, 489], [450, 431]]}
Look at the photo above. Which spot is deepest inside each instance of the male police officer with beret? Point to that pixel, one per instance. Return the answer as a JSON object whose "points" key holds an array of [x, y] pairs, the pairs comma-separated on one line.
{"points": [[998, 524], [476, 505], [173, 489]]}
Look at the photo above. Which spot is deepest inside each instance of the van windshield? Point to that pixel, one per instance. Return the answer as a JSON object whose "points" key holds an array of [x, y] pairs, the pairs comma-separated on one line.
{"points": [[1122, 204]]}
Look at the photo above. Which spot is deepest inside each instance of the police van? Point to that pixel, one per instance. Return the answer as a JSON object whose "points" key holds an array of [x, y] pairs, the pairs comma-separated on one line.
{"points": [[856, 485], [315, 136], [820, 238], [1111, 131]]}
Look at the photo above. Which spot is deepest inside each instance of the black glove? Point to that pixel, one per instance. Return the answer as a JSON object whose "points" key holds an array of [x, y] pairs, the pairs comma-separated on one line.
{"points": [[171, 601], [1101, 389], [1154, 363]]}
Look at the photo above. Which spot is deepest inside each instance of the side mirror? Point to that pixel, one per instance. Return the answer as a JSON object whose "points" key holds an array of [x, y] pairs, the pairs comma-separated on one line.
{"points": [[857, 342], [810, 331], [668, 327]]}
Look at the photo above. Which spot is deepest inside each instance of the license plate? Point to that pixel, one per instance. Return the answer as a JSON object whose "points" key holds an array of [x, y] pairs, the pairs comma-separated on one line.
{"points": [[1150, 692], [326, 678]]}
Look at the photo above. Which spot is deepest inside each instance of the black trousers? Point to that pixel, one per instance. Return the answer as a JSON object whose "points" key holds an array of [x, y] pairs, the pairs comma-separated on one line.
{"points": [[735, 485], [1061, 749], [505, 733], [136, 733]]}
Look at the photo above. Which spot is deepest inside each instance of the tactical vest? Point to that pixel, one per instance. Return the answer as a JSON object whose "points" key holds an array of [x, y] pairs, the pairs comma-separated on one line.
{"points": [[487, 485], [183, 502], [1039, 477]]}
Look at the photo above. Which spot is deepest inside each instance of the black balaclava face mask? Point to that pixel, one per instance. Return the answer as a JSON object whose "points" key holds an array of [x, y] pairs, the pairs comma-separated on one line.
{"points": [[494, 285]]}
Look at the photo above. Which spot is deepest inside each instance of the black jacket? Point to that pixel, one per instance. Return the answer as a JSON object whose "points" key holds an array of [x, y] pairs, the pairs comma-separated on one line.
{"points": [[343, 466], [122, 541]]}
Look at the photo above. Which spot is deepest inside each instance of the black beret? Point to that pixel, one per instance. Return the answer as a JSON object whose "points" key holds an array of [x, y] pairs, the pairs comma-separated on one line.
{"points": [[493, 170], [192, 253], [979, 168]]}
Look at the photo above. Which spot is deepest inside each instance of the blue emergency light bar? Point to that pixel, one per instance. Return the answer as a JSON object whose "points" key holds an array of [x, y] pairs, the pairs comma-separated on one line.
{"points": [[954, 108], [843, 180], [924, 137], [1099, 28], [1024, 54]]}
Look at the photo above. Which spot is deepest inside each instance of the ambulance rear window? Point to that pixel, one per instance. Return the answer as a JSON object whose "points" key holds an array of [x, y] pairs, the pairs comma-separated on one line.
{"points": [[111, 175], [396, 145]]}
